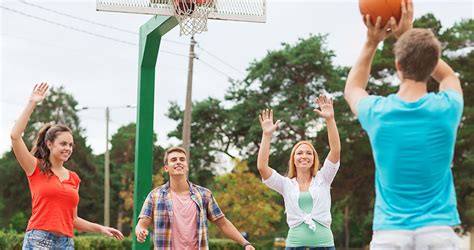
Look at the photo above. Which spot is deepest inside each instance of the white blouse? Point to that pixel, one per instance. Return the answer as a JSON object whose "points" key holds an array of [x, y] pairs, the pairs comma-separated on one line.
{"points": [[319, 189]]}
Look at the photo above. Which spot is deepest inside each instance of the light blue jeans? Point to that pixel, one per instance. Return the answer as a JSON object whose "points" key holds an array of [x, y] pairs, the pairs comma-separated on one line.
{"points": [[39, 239]]}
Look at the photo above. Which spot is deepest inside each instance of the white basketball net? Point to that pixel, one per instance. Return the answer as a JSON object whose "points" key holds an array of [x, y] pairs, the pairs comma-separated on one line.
{"points": [[192, 15]]}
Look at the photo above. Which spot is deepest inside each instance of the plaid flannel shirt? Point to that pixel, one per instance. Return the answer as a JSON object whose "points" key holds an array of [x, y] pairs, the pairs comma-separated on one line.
{"points": [[158, 207]]}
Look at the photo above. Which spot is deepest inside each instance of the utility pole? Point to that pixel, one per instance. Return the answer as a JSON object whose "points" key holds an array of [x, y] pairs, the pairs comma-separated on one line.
{"points": [[107, 171], [106, 159], [187, 110]]}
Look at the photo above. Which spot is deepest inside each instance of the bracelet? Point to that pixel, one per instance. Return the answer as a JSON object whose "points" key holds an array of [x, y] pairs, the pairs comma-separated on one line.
{"points": [[246, 244]]}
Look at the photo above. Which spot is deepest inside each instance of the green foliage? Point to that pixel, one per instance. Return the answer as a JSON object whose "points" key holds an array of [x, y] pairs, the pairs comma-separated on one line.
{"points": [[247, 202], [14, 191], [122, 158], [223, 244], [286, 80], [458, 41], [19, 221], [101, 243], [10, 239], [13, 240]]}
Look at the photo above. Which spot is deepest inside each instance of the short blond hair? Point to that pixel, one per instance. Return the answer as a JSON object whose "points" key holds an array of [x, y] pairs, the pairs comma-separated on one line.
{"points": [[291, 162], [171, 150]]}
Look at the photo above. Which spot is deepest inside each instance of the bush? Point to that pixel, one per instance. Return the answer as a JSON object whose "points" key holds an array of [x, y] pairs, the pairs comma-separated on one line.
{"points": [[223, 244], [9, 239], [101, 243]]}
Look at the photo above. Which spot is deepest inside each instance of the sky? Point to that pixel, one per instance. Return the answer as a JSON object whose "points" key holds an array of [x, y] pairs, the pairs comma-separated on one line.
{"points": [[94, 55]]}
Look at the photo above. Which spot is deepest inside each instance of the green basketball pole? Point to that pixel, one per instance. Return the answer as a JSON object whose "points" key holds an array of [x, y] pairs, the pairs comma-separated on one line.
{"points": [[150, 38]]}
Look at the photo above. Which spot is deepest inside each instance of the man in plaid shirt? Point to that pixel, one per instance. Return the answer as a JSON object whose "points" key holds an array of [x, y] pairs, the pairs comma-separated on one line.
{"points": [[179, 211]]}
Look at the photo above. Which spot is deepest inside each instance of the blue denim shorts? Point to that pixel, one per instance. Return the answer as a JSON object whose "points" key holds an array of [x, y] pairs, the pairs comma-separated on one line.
{"points": [[39, 239]]}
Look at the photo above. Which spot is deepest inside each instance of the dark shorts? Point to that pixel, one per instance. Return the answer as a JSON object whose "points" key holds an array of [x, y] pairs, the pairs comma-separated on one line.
{"points": [[39, 239]]}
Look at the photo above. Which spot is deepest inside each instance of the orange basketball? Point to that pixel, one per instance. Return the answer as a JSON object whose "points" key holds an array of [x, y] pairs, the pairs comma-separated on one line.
{"points": [[382, 8], [188, 6]]}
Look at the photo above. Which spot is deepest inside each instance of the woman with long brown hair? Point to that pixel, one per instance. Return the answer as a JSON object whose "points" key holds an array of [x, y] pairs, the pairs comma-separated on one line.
{"points": [[54, 189], [306, 188]]}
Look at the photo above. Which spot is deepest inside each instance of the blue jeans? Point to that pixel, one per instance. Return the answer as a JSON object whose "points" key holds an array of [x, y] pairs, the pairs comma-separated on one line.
{"points": [[310, 248], [39, 239]]}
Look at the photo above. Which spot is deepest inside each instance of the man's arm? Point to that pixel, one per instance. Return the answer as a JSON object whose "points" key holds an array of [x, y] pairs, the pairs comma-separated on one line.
{"points": [[232, 233], [141, 230], [358, 77], [446, 77]]}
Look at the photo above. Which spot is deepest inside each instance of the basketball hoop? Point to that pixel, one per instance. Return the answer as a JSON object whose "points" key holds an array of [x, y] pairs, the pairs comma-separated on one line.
{"points": [[192, 15]]}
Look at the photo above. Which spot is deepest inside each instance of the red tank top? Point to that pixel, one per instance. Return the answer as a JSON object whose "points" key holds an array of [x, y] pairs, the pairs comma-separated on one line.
{"points": [[53, 202]]}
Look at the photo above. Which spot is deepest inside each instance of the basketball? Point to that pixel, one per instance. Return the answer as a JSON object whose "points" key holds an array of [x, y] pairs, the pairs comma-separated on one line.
{"points": [[382, 8], [188, 6]]}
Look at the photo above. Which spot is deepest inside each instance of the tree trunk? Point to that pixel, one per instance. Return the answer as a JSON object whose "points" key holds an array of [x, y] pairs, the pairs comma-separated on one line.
{"points": [[346, 226], [120, 219]]}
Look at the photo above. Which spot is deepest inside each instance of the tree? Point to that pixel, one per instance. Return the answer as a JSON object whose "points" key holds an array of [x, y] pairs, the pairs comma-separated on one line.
{"points": [[122, 157], [286, 80], [247, 202]]}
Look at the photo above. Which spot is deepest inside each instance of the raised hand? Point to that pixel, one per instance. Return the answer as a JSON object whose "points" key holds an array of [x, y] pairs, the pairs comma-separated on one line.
{"points": [[266, 121], [406, 20], [376, 33], [326, 108], [39, 92], [111, 232]]}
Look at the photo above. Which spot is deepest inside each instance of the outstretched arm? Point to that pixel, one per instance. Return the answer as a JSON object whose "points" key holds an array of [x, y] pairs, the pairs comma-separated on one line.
{"points": [[358, 77], [25, 158], [327, 112], [268, 127], [87, 226], [231, 232]]}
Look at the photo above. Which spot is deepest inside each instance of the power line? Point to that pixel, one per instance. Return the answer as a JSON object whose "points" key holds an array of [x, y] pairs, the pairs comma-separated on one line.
{"points": [[77, 18], [127, 31], [68, 27], [214, 68], [82, 30], [221, 60], [118, 40], [91, 22]]}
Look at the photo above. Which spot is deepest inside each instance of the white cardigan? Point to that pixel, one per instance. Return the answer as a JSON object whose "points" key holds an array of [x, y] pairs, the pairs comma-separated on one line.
{"points": [[320, 192]]}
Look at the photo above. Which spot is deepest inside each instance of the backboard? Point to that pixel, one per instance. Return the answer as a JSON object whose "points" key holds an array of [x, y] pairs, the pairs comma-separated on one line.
{"points": [[234, 10]]}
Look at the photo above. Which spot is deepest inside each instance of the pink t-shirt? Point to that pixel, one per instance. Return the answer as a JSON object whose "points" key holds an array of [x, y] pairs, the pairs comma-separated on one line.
{"points": [[184, 223]]}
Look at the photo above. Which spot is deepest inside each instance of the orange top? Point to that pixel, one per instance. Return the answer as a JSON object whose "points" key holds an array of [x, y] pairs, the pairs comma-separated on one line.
{"points": [[53, 202]]}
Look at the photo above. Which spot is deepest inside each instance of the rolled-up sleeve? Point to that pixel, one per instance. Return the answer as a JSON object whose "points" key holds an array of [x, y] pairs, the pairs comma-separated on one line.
{"points": [[276, 182], [214, 212], [329, 170], [147, 208]]}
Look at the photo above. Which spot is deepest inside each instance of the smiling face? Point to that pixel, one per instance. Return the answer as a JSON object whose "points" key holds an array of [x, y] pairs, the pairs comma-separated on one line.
{"points": [[61, 147], [177, 164], [303, 158]]}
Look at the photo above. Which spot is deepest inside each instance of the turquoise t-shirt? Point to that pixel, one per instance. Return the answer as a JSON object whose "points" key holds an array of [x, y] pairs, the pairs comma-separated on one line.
{"points": [[302, 235], [413, 147]]}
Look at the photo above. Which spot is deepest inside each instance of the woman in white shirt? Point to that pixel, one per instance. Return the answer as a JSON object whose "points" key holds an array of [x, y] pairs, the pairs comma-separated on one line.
{"points": [[306, 188]]}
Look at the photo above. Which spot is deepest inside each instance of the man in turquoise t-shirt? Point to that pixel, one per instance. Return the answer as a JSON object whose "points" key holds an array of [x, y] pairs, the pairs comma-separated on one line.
{"points": [[412, 134]]}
